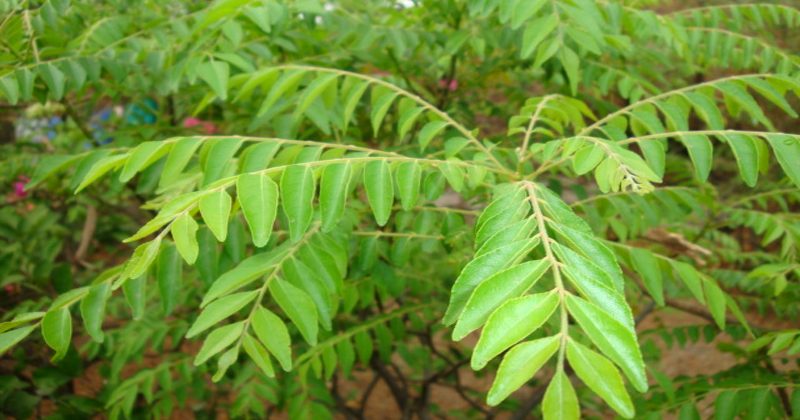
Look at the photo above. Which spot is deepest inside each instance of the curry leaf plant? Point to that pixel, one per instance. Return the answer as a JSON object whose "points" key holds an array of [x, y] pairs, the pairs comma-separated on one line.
{"points": [[342, 210]]}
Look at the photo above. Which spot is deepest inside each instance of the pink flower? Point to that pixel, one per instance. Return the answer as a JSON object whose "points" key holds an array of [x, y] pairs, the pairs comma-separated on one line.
{"points": [[19, 187], [451, 85], [208, 127]]}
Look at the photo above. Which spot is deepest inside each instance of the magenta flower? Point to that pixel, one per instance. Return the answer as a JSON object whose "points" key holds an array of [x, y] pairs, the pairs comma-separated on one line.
{"points": [[452, 85], [19, 186], [208, 127]]}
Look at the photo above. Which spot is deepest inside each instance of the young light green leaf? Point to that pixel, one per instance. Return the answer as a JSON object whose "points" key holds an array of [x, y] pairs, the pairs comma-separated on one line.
{"points": [[215, 73], [351, 101], [601, 376], [219, 310], [333, 191], [297, 196], [612, 338], [57, 331], [380, 189], [272, 332], [593, 249], [258, 156], [259, 354], [587, 158], [519, 365], [510, 323], [691, 278], [218, 340], [168, 277], [216, 210], [258, 196], [298, 306], [184, 233], [494, 291], [560, 401], [480, 269], [93, 309]]}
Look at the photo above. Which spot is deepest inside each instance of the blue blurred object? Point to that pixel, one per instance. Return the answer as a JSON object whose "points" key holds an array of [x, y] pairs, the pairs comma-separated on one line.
{"points": [[138, 114]]}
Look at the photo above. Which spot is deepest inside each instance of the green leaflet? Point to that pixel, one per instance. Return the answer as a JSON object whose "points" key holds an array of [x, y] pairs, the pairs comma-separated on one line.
{"points": [[297, 196], [760, 403], [596, 251], [49, 166], [494, 291], [380, 189], [298, 306], [9, 338], [333, 192], [380, 108], [57, 331], [272, 332], [511, 233], [560, 401], [691, 278], [536, 32], [746, 151], [701, 151], [218, 157], [646, 264], [587, 158], [135, 290], [259, 354], [408, 177], [364, 347], [314, 89], [178, 158], [612, 338], [430, 130], [601, 376], [218, 340], [285, 85], [219, 310], [407, 120], [93, 309], [499, 214], [351, 101], [100, 168], [706, 109], [258, 196], [216, 210], [479, 270], [215, 73], [519, 365], [9, 88], [716, 302], [168, 277], [53, 78], [184, 233], [245, 273], [298, 274], [453, 173], [787, 152], [725, 406], [143, 156], [20, 319], [258, 156], [594, 284], [510, 323]]}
